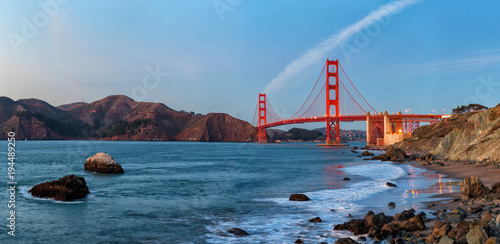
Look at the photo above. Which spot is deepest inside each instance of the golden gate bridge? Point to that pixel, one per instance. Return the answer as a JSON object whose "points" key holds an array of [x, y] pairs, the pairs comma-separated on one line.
{"points": [[338, 100]]}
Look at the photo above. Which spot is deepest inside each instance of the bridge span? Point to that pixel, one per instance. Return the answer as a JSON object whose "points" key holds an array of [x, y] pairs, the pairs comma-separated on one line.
{"points": [[340, 101]]}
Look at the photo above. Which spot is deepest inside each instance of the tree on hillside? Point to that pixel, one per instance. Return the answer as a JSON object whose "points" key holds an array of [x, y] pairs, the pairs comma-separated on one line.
{"points": [[469, 108]]}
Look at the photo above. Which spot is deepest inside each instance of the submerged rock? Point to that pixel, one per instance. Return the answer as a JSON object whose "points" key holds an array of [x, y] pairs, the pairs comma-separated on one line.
{"points": [[367, 153], [316, 220], [389, 184], [299, 197], [238, 232], [68, 188], [391, 205], [472, 187], [103, 163]]}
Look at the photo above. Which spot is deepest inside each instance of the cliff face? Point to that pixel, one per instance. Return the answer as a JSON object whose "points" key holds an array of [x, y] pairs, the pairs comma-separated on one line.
{"points": [[473, 136], [116, 118]]}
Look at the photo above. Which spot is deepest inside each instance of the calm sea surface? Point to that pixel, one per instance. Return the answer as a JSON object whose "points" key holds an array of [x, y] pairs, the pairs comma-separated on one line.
{"points": [[183, 192]]}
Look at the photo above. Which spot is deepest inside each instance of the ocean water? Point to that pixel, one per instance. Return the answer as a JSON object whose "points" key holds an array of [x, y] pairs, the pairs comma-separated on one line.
{"points": [[187, 192]]}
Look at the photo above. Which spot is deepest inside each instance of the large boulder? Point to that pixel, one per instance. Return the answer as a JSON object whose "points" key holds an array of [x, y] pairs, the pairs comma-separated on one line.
{"points": [[103, 163], [472, 187], [299, 197], [238, 232], [477, 236], [68, 188], [495, 188]]}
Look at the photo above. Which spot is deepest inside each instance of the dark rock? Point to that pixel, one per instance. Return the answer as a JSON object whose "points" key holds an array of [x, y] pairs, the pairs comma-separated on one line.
{"points": [[425, 163], [472, 187], [357, 227], [361, 238], [355, 148], [405, 215], [103, 163], [299, 241], [238, 232], [367, 153], [428, 157], [389, 184], [486, 219], [474, 210], [68, 188], [439, 164], [430, 239], [374, 232], [391, 205], [414, 224], [346, 179], [345, 241], [392, 154], [390, 229], [495, 188], [316, 220], [299, 197], [456, 215], [441, 229], [397, 241]]}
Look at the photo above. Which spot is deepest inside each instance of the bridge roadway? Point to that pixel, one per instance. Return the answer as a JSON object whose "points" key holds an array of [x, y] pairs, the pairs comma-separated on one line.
{"points": [[351, 118]]}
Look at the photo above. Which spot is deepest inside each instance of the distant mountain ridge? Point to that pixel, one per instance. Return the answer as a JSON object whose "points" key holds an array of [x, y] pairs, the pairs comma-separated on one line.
{"points": [[116, 117]]}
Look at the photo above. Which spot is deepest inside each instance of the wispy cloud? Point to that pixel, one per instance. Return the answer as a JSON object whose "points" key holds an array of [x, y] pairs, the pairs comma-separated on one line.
{"points": [[468, 62], [319, 52]]}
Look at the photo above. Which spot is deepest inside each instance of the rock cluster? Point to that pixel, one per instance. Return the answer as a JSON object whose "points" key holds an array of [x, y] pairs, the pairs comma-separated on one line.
{"points": [[68, 188], [381, 226], [103, 163], [392, 154]]}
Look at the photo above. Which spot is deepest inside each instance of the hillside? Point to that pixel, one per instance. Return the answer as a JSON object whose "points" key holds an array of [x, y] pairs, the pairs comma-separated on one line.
{"points": [[473, 136], [116, 118]]}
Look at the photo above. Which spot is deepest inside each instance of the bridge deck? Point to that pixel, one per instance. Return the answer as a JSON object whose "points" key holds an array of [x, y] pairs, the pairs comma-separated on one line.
{"points": [[395, 117]]}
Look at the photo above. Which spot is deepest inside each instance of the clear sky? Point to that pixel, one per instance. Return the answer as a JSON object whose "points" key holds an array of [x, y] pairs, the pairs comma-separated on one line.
{"points": [[219, 54]]}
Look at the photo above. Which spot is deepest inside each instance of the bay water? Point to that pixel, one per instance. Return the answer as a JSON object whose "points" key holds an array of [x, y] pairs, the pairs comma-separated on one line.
{"points": [[191, 192]]}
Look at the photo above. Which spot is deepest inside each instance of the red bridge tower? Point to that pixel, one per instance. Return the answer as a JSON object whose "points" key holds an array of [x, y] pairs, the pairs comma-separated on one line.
{"points": [[262, 118], [332, 84]]}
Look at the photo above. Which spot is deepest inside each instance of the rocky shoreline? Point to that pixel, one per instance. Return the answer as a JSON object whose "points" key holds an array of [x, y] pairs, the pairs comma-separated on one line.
{"points": [[470, 216]]}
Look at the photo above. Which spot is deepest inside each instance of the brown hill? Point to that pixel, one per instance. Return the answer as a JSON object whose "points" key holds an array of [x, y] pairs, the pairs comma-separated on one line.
{"points": [[473, 136], [116, 118]]}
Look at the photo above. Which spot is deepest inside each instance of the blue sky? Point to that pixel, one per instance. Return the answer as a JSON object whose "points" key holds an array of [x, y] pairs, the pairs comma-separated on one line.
{"points": [[219, 54]]}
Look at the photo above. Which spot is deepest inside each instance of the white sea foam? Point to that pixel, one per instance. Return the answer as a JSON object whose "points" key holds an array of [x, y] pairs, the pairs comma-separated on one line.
{"points": [[287, 227]]}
